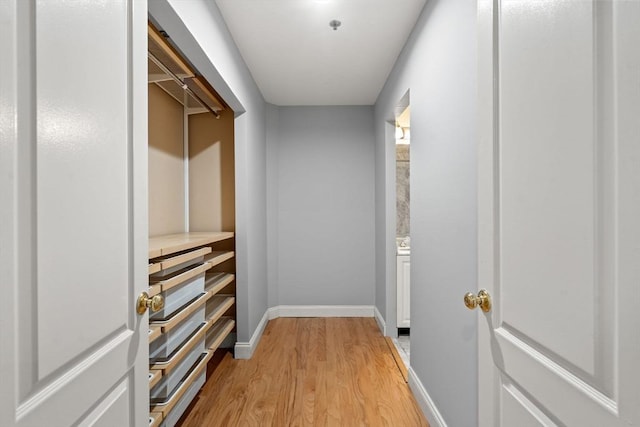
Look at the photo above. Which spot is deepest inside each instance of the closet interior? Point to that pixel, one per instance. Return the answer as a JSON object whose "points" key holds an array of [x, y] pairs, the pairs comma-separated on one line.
{"points": [[191, 230]]}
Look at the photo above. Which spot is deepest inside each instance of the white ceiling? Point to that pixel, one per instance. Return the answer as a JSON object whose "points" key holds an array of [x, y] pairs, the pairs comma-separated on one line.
{"points": [[297, 59]]}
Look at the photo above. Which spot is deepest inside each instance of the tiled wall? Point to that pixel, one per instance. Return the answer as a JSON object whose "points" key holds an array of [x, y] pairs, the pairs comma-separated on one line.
{"points": [[402, 190]]}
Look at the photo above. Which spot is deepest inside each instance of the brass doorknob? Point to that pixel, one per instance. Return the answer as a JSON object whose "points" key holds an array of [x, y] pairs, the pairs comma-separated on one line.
{"points": [[155, 303], [483, 300]]}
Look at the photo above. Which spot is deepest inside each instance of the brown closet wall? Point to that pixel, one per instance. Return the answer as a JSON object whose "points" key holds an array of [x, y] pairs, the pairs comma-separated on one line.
{"points": [[166, 164], [211, 172]]}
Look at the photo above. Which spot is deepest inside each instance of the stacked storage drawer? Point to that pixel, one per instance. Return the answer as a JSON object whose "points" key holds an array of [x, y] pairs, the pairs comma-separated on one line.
{"points": [[192, 324]]}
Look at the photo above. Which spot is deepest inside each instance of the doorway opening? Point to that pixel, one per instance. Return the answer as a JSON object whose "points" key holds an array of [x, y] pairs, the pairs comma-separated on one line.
{"points": [[402, 138]]}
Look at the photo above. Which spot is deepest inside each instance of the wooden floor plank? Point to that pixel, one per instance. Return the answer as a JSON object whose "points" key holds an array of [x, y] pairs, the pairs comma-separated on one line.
{"points": [[309, 372]]}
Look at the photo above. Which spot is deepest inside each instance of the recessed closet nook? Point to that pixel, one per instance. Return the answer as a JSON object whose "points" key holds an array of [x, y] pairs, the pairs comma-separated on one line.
{"points": [[191, 229]]}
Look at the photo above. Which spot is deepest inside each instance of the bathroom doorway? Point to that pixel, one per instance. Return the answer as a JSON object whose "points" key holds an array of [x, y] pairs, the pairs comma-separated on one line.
{"points": [[403, 230]]}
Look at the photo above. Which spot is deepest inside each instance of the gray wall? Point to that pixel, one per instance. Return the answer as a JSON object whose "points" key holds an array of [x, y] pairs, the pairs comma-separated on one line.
{"points": [[197, 28], [321, 205], [438, 66]]}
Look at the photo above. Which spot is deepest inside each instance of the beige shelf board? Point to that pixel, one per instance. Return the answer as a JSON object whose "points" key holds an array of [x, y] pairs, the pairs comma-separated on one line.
{"points": [[221, 303], [178, 317], [155, 419], [154, 332], [218, 257], [166, 283], [173, 260], [154, 290], [168, 365], [154, 268], [172, 243], [216, 282], [218, 332], [155, 251], [154, 377], [167, 406]]}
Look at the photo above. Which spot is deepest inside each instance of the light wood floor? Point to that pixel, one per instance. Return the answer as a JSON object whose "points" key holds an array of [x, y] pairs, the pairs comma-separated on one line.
{"points": [[309, 372]]}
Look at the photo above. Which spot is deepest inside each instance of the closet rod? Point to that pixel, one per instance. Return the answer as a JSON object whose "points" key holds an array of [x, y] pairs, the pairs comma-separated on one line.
{"points": [[182, 84]]}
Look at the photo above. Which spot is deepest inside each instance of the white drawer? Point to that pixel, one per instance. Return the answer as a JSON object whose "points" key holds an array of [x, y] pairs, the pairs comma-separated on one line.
{"points": [[178, 261], [163, 346], [178, 296], [173, 408], [171, 380]]}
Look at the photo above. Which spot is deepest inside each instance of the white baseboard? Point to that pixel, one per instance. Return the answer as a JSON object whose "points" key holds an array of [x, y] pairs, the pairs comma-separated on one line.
{"points": [[321, 311], [245, 350], [424, 401], [380, 321]]}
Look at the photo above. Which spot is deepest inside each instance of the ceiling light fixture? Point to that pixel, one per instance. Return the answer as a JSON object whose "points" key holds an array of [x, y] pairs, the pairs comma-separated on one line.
{"points": [[335, 24]]}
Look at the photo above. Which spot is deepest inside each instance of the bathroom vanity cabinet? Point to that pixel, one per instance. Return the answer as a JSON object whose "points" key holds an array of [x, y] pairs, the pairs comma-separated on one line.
{"points": [[403, 297]]}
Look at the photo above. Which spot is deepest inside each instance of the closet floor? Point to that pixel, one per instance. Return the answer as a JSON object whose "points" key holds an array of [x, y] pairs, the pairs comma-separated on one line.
{"points": [[309, 372]]}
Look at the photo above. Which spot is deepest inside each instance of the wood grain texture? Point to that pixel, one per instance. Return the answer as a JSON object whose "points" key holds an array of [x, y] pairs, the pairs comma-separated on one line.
{"points": [[172, 243], [309, 372]]}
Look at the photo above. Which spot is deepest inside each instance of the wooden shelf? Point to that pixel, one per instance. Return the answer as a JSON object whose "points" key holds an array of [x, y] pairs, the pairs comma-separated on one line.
{"points": [[218, 257], [167, 366], [178, 317], [220, 304], [154, 377], [172, 243], [154, 268], [219, 332], [216, 282], [155, 419], [154, 332], [173, 260], [154, 290], [166, 283]]}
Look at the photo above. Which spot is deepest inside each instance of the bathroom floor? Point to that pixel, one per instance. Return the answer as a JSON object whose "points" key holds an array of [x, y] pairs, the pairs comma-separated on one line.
{"points": [[402, 343]]}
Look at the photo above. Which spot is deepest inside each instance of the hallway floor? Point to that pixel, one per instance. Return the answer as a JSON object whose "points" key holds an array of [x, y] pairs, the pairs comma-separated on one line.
{"points": [[309, 372]]}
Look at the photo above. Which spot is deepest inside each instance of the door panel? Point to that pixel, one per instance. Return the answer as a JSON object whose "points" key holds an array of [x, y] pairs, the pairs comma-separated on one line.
{"points": [[550, 180], [557, 90], [519, 411], [77, 136], [74, 213]]}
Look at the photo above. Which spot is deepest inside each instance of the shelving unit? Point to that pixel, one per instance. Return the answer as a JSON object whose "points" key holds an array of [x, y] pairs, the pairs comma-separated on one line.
{"points": [[192, 229], [195, 330]]}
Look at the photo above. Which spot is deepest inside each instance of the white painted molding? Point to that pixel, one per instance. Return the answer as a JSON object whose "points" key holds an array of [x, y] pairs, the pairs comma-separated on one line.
{"points": [[245, 350], [425, 402], [273, 312], [380, 321], [321, 311]]}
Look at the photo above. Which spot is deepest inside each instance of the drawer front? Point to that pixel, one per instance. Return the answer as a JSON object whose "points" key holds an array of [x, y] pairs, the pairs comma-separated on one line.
{"points": [[177, 297], [169, 342], [171, 380], [173, 263]]}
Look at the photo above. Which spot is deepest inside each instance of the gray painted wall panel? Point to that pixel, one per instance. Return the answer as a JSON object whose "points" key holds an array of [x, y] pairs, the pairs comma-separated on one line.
{"points": [[438, 65], [324, 215]]}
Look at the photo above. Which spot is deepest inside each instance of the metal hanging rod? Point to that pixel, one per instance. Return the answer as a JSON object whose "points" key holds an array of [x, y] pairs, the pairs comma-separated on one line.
{"points": [[182, 84]]}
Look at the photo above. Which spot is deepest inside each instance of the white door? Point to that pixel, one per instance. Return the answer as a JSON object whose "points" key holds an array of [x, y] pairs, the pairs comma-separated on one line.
{"points": [[73, 228], [559, 212]]}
